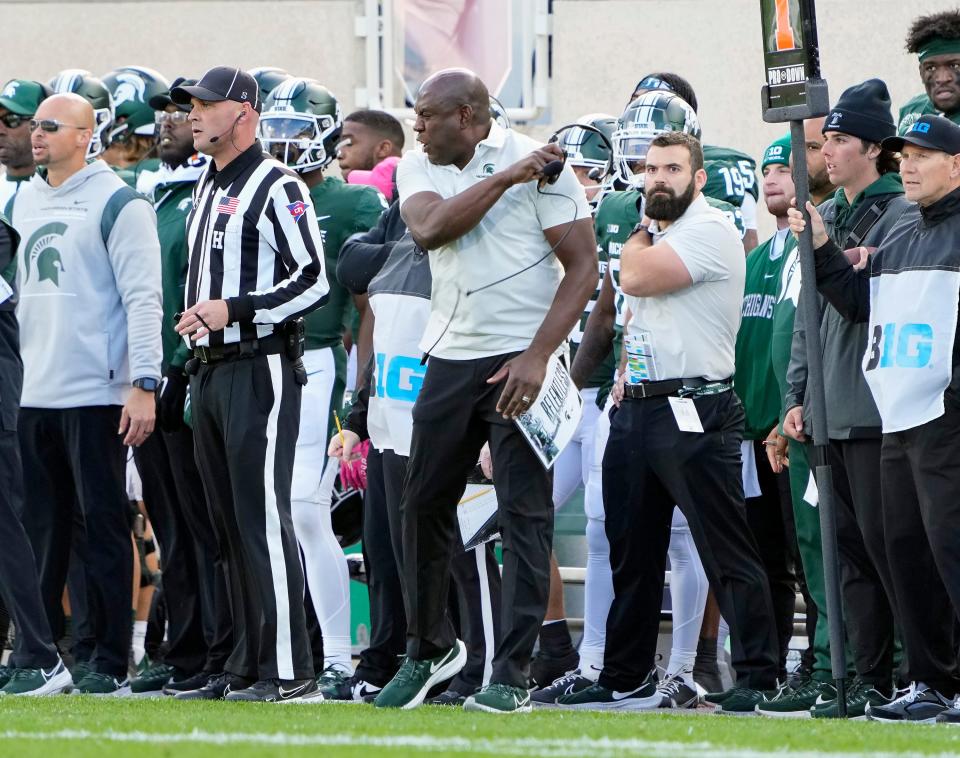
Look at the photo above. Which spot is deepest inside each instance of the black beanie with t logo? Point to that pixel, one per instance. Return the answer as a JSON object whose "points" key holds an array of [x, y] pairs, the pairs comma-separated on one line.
{"points": [[863, 111]]}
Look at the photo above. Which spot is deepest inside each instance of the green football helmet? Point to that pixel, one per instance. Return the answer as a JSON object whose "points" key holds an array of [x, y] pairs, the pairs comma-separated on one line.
{"points": [[301, 124], [585, 148], [90, 88], [131, 88], [651, 114], [267, 78]]}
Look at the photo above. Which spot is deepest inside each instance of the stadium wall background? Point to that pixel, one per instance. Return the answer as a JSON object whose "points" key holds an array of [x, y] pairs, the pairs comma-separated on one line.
{"points": [[716, 44]]}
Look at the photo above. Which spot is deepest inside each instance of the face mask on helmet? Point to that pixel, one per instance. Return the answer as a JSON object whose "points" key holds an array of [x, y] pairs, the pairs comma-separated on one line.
{"points": [[648, 116], [296, 140]]}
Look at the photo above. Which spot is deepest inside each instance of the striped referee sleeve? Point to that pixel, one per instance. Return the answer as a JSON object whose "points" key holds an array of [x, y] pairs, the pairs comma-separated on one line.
{"points": [[289, 225]]}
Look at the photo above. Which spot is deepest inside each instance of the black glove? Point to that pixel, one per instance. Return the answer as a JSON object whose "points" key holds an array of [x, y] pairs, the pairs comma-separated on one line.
{"points": [[170, 400]]}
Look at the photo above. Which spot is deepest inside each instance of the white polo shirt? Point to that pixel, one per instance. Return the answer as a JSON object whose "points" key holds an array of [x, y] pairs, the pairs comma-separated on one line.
{"points": [[503, 318], [693, 332]]}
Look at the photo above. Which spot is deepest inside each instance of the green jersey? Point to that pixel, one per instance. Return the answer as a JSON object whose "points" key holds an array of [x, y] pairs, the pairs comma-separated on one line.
{"points": [[605, 369], [917, 107], [172, 199], [731, 175], [754, 380], [132, 173], [342, 210]]}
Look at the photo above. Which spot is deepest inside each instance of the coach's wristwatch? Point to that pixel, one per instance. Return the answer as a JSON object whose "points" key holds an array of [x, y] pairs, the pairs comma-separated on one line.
{"points": [[147, 384]]}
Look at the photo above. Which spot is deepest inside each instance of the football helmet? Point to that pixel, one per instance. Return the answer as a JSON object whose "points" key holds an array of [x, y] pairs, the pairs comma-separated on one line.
{"points": [[90, 88], [651, 114], [301, 124], [131, 88], [267, 78]]}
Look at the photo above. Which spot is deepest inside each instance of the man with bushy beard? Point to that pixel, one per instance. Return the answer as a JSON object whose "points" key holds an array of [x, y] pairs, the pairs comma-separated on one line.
{"points": [[675, 439]]}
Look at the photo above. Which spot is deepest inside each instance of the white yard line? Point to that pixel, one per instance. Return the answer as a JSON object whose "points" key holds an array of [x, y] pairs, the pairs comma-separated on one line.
{"points": [[521, 746]]}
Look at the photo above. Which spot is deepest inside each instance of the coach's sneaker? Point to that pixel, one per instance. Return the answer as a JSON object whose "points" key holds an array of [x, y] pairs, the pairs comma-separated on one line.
{"points": [[39, 681], [95, 683], [546, 697], [277, 691], [678, 690], [951, 715], [180, 682], [860, 694], [6, 673], [596, 697], [741, 701], [216, 688], [918, 704], [499, 698], [415, 678], [792, 702], [152, 679]]}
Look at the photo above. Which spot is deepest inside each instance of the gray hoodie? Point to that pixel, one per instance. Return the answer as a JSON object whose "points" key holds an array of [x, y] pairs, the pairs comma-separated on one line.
{"points": [[851, 411], [88, 282]]}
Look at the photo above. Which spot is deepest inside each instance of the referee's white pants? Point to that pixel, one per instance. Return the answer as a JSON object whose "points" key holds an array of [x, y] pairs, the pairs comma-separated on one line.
{"points": [[688, 580], [324, 563]]}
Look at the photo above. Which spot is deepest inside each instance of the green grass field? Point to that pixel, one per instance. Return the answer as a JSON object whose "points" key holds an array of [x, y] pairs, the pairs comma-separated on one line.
{"points": [[84, 727]]}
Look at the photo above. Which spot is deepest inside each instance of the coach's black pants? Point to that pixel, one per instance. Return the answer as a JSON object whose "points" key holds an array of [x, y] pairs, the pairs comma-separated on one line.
{"points": [[194, 585], [868, 615], [920, 480], [454, 415], [648, 466], [74, 458], [246, 416]]}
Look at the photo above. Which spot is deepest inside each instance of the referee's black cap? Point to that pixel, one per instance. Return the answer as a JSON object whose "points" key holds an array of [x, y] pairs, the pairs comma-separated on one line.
{"points": [[221, 83]]}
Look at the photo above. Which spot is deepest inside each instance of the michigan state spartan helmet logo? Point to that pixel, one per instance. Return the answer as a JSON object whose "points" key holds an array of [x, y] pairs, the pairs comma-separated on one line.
{"points": [[43, 254]]}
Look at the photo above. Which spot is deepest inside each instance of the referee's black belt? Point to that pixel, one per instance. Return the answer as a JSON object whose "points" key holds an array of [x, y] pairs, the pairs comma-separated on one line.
{"points": [[270, 345], [643, 390]]}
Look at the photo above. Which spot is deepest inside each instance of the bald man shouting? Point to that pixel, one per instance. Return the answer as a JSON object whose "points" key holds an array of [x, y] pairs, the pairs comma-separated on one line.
{"points": [[88, 284], [513, 264]]}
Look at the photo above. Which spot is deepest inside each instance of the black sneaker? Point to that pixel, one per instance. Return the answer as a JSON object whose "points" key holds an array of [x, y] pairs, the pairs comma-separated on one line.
{"points": [[185, 683], [277, 691], [675, 692], [545, 669], [216, 688], [546, 697], [450, 698], [951, 715], [918, 704], [596, 697]]}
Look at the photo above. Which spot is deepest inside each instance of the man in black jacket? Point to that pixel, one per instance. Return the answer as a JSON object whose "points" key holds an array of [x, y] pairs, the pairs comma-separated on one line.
{"points": [[909, 294]]}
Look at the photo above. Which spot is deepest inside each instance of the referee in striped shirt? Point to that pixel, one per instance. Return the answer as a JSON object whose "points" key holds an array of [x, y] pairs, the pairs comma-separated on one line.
{"points": [[256, 267]]}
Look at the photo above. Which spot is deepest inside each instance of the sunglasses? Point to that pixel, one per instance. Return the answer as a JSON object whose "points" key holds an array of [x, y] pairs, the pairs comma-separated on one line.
{"points": [[12, 120], [51, 125], [174, 117]]}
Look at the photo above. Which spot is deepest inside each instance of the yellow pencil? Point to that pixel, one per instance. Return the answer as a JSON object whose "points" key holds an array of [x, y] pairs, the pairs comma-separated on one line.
{"points": [[336, 420]]}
